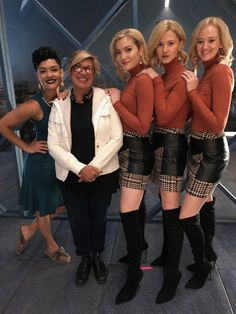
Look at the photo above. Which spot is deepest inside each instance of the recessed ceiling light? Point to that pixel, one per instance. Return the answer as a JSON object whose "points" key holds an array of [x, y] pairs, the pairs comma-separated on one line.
{"points": [[167, 3]]}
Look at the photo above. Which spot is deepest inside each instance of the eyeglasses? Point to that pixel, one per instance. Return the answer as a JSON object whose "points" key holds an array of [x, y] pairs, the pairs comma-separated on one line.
{"points": [[79, 68]]}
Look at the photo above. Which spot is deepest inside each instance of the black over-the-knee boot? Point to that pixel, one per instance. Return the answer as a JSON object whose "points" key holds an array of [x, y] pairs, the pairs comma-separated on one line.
{"points": [[133, 236], [161, 260], [174, 235], [142, 212], [207, 221], [195, 236], [142, 221]]}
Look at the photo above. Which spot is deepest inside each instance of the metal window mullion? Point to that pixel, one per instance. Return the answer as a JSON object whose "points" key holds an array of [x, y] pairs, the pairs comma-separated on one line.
{"points": [[135, 13], [8, 81]]}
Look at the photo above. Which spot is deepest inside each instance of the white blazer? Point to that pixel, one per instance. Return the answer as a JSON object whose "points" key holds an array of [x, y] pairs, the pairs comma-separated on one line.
{"points": [[107, 130]]}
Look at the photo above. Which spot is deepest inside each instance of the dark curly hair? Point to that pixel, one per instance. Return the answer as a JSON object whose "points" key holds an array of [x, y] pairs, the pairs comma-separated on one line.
{"points": [[42, 54]]}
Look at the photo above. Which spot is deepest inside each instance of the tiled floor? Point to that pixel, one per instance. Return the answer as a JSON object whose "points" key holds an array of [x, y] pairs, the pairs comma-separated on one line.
{"points": [[31, 283]]}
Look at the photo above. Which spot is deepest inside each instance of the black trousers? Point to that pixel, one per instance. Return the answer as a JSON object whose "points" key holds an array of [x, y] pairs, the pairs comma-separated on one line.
{"points": [[87, 215]]}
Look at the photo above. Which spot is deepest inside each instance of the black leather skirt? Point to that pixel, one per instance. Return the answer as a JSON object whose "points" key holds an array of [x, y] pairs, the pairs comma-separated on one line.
{"points": [[141, 155], [175, 149], [215, 157]]}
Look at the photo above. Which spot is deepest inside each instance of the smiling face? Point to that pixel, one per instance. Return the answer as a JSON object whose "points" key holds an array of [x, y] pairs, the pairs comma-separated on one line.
{"points": [[208, 43], [49, 74], [127, 53], [82, 79], [168, 47]]}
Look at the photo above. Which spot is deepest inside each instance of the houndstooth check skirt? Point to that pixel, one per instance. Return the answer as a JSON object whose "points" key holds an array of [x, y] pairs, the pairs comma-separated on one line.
{"points": [[208, 160], [136, 161], [170, 159]]}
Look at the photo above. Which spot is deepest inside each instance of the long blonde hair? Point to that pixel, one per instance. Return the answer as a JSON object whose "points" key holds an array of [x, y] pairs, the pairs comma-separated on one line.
{"points": [[139, 42], [157, 32], [225, 53]]}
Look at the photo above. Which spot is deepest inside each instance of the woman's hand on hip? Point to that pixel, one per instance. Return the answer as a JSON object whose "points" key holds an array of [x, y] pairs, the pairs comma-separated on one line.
{"points": [[37, 147]]}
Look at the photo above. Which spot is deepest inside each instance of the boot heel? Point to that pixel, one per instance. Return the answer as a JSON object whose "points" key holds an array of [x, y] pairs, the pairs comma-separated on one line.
{"points": [[145, 254], [144, 257], [214, 264], [210, 275]]}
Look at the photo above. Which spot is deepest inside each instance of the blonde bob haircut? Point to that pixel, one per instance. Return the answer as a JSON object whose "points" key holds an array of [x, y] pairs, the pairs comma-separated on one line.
{"points": [[139, 41], [225, 53], [79, 56], [156, 34]]}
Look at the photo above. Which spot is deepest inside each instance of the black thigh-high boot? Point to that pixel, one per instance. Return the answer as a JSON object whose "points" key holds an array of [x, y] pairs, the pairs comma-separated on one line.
{"points": [[174, 235], [195, 236], [207, 221], [161, 260], [142, 221], [133, 236], [142, 211]]}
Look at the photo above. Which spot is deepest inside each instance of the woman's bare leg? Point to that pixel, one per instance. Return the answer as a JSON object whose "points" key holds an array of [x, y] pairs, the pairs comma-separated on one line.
{"points": [[169, 200], [44, 224], [191, 206], [29, 230], [130, 199]]}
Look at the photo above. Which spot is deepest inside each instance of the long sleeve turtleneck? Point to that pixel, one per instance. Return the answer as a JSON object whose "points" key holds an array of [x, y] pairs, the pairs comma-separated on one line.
{"points": [[171, 99], [135, 106], [211, 100]]}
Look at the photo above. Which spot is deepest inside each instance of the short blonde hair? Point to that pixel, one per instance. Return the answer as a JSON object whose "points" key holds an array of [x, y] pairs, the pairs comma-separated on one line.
{"points": [[225, 39], [79, 56], [139, 41], [157, 32]]}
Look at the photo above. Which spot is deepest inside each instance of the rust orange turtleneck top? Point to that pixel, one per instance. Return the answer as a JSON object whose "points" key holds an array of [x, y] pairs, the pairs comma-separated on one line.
{"points": [[171, 98], [135, 106], [211, 100]]}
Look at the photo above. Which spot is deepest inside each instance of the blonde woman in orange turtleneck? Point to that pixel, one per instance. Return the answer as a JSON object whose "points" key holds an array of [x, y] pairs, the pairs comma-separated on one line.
{"points": [[165, 48], [135, 108], [212, 45]]}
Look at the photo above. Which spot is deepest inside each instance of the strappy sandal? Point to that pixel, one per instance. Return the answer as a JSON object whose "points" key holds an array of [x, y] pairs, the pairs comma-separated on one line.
{"points": [[60, 256], [22, 243]]}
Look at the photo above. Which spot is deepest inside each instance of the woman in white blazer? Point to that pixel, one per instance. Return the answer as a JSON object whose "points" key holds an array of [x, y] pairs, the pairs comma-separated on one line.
{"points": [[84, 136]]}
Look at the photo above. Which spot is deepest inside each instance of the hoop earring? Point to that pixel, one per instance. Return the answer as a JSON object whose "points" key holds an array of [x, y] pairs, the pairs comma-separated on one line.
{"points": [[39, 86]]}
